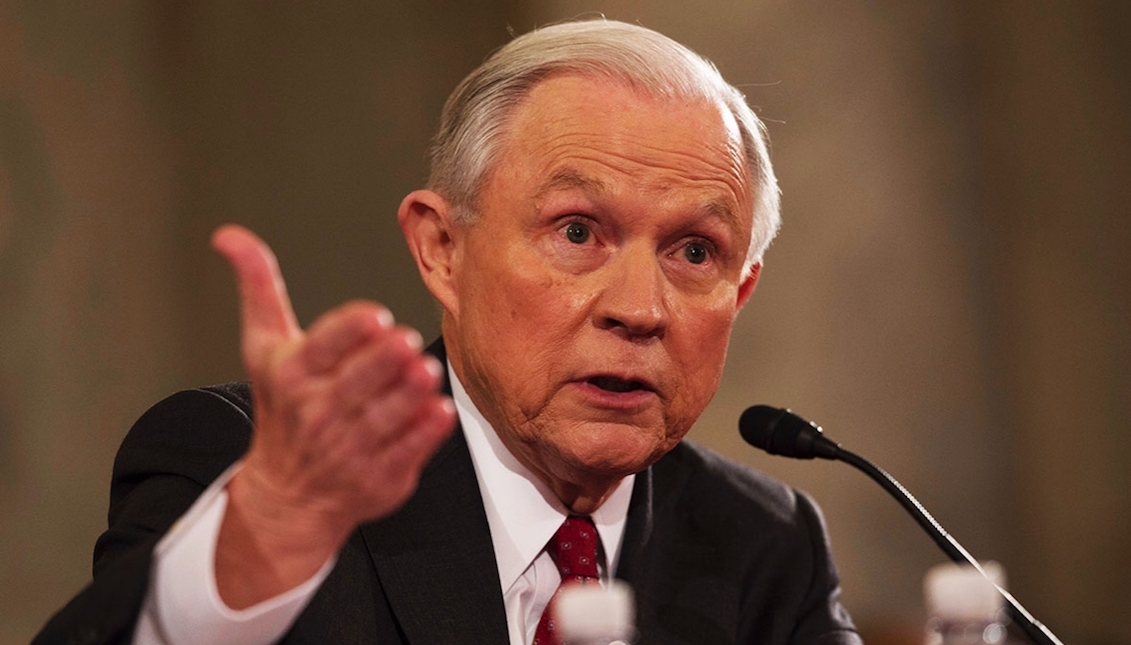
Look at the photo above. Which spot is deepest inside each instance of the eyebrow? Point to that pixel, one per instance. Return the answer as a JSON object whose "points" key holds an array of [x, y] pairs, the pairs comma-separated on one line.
{"points": [[571, 178], [723, 212], [568, 177]]}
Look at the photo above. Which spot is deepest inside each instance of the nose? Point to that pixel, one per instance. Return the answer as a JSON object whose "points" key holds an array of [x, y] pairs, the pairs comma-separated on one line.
{"points": [[633, 299]]}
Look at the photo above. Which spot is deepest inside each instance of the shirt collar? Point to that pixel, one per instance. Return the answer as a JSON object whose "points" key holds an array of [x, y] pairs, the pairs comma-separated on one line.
{"points": [[522, 511]]}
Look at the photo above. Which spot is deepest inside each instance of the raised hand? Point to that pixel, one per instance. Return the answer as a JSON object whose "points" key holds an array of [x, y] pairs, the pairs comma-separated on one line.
{"points": [[346, 416]]}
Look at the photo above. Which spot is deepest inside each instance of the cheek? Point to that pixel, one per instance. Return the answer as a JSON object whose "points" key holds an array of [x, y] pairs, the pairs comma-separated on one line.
{"points": [[699, 345], [531, 308], [702, 325], [493, 296], [520, 323]]}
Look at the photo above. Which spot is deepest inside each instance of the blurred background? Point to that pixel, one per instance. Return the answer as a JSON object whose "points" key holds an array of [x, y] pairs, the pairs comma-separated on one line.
{"points": [[949, 296]]}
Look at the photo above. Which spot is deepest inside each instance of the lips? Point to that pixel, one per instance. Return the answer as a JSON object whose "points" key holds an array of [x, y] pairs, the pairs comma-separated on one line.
{"points": [[617, 384], [617, 393]]}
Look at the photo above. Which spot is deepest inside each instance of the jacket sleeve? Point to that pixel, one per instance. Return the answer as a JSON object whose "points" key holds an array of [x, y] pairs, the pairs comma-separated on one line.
{"points": [[170, 456]]}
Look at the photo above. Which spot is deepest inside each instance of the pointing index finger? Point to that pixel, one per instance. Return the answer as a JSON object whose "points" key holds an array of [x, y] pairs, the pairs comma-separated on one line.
{"points": [[266, 312]]}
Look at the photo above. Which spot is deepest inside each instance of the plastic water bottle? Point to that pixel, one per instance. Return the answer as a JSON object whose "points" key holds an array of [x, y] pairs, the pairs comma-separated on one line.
{"points": [[595, 615], [963, 606]]}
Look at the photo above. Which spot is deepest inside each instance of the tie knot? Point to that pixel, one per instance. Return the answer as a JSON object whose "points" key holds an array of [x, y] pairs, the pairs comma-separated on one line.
{"points": [[574, 549]]}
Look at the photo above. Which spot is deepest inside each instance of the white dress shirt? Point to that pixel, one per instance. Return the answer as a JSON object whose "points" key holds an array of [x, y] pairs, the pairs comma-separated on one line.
{"points": [[523, 515], [183, 606]]}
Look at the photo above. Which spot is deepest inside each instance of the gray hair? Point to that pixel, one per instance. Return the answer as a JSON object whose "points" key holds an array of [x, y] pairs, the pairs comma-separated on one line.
{"points": [[475, 117]]}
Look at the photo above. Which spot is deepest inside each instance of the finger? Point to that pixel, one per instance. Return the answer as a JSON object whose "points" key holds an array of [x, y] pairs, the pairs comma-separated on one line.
{"points": [[365, 444], [383, 366], [388, 417], [404, 457], [365, 421], [338, 333], [332, 406], [267, 316]]}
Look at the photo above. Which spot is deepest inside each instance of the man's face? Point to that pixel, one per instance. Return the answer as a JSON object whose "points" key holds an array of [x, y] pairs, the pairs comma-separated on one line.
{"points": [[594, 294]]}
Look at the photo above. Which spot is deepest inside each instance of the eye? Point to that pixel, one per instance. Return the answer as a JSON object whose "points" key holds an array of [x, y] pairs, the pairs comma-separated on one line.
{"points": [[696, 252], [577, 233]]}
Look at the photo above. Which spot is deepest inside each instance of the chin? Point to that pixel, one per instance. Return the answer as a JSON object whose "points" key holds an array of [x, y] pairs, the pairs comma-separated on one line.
{"points": [[615, 452]]}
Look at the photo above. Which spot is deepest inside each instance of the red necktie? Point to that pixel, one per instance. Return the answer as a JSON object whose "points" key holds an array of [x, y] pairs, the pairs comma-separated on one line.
{"points": [[574, 549]]}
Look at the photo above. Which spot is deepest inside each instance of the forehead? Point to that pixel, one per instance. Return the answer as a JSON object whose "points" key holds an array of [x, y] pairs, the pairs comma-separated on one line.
{"points": [[603, 136]]}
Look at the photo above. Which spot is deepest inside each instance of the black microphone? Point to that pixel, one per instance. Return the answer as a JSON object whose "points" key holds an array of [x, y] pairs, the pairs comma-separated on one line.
{"points": [[781, 432]]}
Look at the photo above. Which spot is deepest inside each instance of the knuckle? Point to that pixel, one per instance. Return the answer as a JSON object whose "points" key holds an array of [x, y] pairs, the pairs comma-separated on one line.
{"points": [[382, 418], [285, 370], [311, 418], [367, 315]]}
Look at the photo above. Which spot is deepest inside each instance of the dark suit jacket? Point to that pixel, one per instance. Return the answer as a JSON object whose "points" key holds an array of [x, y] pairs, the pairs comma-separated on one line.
{"points": [[715, 552]]}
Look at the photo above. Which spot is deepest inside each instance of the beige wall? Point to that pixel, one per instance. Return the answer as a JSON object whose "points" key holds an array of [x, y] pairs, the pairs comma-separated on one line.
{"points": [[948, 296]]}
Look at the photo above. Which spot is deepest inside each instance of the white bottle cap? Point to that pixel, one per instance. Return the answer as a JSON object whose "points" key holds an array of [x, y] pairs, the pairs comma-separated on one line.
{"points": [[591, 613], [961, 592]]}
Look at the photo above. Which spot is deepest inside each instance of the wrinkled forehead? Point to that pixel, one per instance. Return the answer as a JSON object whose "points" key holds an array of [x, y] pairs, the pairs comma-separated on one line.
{"points": [[594, 84], [607, 124], [566, 112]]}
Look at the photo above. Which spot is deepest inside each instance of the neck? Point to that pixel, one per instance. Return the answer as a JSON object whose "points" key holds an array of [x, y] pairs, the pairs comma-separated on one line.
{"points": [[580, 500], [580, 489]]}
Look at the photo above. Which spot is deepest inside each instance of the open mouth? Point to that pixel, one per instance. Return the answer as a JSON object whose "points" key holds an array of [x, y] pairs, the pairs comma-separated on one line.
{"points": [[613, 384]]}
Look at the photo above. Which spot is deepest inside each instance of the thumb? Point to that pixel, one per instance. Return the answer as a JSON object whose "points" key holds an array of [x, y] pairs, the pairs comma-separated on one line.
{"points": [[266, 313]]}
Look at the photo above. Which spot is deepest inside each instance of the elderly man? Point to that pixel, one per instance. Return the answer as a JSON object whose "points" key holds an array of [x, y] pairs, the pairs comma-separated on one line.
{"points": [[599, 203]]}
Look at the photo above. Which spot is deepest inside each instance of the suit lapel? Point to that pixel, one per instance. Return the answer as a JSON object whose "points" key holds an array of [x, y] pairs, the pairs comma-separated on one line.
{"points": [[638, 527], [435, 559]]}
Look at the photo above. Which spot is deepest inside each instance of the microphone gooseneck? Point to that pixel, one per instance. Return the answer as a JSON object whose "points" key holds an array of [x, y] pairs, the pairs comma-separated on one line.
{"points": [[781, 432]]}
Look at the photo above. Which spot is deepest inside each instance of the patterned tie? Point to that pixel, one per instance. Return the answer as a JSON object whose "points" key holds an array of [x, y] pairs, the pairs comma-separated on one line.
{"points": [[574, 549]]}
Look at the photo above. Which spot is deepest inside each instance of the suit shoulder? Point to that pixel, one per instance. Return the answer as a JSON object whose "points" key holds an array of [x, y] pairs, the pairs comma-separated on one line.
{"points": [[700, 477], [190, 425], [170, 455], [753, 546], [193, 434]]}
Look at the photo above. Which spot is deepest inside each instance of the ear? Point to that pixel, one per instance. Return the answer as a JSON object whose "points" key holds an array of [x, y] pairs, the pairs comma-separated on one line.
{"points": [[426, 220], [746, 289]]}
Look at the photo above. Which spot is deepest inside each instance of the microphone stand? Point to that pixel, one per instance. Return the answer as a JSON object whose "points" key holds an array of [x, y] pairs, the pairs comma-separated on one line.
{"points": [[1033, 628]]}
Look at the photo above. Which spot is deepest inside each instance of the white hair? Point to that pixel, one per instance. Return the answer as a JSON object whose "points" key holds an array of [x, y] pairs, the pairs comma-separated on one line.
{"points": [[475, 117]]}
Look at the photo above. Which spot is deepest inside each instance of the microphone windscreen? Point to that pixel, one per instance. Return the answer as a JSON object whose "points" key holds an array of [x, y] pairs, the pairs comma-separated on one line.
{"points": [[757, 425], [781, 432]]}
